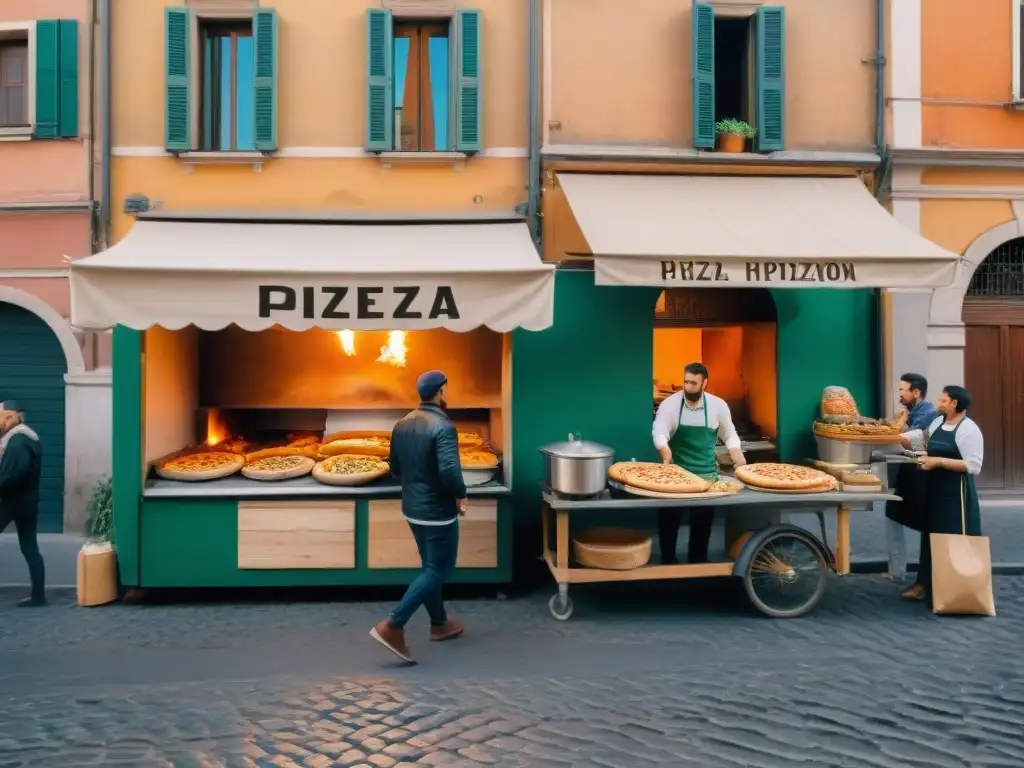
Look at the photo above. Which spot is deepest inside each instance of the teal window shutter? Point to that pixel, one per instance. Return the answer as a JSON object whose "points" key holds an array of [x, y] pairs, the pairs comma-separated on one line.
{"points": [[380, 99], [67, 127], [47, 121], [177, 125], [771, 78], [703, 66], [264, 27], [469, 86]]}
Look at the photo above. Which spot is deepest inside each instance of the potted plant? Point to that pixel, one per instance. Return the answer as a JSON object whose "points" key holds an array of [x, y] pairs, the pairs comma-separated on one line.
{"points": [[97, 561], [732, 134]]}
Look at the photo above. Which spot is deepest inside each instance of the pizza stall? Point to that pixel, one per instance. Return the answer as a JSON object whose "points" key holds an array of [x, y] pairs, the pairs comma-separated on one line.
{"points": [[259, 366], [800, 261]]}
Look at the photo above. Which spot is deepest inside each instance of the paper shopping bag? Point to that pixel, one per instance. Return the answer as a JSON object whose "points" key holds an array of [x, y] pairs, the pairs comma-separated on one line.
{"points": [[962, 572]]}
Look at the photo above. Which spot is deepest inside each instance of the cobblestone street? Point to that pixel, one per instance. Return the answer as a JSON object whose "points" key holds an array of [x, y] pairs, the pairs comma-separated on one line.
{"points": [[661, 675]]}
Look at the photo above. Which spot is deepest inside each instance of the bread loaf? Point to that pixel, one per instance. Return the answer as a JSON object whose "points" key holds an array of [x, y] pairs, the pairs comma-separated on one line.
{"points": [[838, 405]]}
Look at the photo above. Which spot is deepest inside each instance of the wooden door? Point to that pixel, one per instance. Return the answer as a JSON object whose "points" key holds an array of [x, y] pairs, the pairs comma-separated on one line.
{"points": [[1013, 397], [985, 359]]}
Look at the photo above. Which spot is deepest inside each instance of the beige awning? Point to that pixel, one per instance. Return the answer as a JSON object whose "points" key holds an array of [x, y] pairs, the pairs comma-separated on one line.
{"points": [[772, 232], [359, 276]]}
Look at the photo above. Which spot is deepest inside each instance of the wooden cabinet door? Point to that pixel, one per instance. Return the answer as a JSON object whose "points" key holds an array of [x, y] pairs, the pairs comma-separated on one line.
{"points": [[987, 378]]}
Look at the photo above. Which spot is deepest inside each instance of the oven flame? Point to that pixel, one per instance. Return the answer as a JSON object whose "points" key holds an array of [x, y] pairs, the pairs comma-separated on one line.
{"points": [[393, 353], [348, 342], [216, 429]]}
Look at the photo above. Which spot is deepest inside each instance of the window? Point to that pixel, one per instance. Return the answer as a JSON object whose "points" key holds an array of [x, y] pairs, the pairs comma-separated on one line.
{"points": [[739, 72], [227, 66], [14, 83], [220, 82], [421, 87], [1017, 16], [423, 83]]}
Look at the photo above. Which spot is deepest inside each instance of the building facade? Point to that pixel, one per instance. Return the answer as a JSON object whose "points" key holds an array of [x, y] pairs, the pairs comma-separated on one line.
{"points": [[957, 177], [60, 376]]}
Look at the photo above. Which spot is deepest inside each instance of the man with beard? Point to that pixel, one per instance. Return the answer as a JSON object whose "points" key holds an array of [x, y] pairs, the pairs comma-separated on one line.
{"points": [[425, 460], [686, 431], [910, 483], [21, 458]]}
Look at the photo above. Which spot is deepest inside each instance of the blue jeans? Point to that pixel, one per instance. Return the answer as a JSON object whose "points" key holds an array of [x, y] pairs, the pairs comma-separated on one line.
{"points": [[438, 546]]}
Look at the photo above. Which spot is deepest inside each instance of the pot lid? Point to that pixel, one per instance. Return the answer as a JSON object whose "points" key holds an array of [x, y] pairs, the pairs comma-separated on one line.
{"points": [[577, 448]]}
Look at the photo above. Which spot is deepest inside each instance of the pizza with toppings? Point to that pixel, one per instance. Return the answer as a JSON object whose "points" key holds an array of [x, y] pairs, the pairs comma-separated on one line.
{"points": [[477, 458], [350, 469], [193, 467], [470, 440], [278, 467], [785, 477], [362, 446], [660, 478]]}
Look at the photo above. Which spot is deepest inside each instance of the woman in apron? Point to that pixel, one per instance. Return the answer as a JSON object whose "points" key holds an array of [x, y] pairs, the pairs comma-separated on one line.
{"points": [[953, 459]]}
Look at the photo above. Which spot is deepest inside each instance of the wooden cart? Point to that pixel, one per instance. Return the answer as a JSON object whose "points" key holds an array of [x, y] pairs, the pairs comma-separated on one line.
{"points": [[762, 562]]}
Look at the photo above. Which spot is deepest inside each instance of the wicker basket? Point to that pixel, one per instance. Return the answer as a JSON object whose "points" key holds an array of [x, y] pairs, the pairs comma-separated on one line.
{"points": [[613, 549]]}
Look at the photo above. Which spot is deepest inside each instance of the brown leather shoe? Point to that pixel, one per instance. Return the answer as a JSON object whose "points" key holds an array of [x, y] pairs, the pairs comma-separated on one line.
{"points": [[447, 631], [392, 639]]}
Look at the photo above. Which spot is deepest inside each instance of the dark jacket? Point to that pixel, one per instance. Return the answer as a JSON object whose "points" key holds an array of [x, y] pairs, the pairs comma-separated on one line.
{"points": [[425, 459], [19, 476]]}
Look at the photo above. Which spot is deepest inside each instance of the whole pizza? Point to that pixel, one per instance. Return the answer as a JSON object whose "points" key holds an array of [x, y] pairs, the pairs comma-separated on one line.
{"points": [[363, 446], [201, 466], [785, 477], [278, 467], [478, 458], [350, 469], [660, 478]]}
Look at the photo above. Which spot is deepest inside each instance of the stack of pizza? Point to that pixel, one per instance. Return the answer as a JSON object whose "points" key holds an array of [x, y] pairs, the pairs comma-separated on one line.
{"points": [[655, 478], [785, 478], [475, 453]]}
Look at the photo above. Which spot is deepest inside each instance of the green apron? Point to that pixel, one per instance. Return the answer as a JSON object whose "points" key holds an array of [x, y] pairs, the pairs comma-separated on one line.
{"points": [[694, 448]]}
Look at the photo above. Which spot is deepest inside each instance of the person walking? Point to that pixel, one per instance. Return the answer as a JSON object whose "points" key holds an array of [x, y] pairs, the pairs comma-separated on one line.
{"points": [[21, 457], [910, 482], [425, 460], [954, 457]]}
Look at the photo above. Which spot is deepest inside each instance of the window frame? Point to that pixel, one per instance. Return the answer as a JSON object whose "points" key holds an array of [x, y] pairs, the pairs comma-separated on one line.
{"points": [[1016, 9], [18, 30], [424, 25], [203, 28]]}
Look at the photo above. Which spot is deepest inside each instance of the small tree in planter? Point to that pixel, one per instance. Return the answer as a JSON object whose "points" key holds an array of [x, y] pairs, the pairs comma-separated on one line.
{"points": [[101, 511], [97, 562], [732, 134]]}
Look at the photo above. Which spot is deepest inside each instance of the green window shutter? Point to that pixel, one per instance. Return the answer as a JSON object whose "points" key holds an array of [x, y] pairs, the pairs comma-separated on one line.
{"points": [[264, 27], [177, 35], [380, 100], [47, 79], [771, 78], [703, 66], [469, 86], [68, 121]]}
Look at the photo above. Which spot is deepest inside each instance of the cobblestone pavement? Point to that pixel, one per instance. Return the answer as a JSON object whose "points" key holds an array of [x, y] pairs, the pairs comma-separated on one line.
{"points": [[654, 675]]}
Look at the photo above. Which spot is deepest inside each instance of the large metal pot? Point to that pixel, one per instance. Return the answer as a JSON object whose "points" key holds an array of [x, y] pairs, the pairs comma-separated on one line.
{"points": [[844, 451], [577, 467]]}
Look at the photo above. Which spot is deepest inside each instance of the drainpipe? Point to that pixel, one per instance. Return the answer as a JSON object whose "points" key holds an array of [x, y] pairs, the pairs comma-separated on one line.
{"points": [[884, 330], [880, 77], [533, 201], [105, 154]]}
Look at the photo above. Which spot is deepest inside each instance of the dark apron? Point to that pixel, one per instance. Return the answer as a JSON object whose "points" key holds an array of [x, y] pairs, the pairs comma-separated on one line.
{"points": [[694, 448], [951, 496], [912, 487]]}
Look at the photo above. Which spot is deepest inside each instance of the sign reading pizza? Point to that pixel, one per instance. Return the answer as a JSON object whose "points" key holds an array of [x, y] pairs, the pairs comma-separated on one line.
{"points": [[758, 272], [364, 302]]}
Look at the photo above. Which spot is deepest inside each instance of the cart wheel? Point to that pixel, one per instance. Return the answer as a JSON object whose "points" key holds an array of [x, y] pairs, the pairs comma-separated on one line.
{"points": [[787, 575], [560, 607]]}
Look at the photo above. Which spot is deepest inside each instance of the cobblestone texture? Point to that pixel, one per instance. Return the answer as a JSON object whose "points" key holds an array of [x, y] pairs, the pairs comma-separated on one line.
{"points": [[654, 675]]}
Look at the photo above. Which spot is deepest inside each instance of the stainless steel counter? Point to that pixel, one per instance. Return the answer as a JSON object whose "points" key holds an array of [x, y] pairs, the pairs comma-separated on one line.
{"points": [[612, 499], [238, 487]]}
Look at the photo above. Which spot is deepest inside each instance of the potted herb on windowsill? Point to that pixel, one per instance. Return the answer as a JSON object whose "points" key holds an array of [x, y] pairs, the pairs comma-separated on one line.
{"points": [[97, 562], [732, 135]]}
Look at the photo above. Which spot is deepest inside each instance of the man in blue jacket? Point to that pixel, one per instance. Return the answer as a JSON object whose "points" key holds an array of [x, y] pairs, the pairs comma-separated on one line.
{"points": [[21, 456], [425, 460]]}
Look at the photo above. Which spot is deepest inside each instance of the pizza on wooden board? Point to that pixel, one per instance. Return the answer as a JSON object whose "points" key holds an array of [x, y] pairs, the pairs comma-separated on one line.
{"points": [[477, 458], [362, 446], [193, 467], [784, 477], [271, 468], [350, 469], [661, 478]]}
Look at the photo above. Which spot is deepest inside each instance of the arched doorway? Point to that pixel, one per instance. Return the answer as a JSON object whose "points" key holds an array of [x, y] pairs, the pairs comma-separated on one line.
{"points": [[733, 331], [993, 316], [32, 368]]}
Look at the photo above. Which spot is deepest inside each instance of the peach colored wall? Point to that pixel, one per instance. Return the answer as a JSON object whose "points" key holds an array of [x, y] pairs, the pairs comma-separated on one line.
{"points": [[621, 75], [967, 55], [52, 290], [41, 240], [955, 224]]}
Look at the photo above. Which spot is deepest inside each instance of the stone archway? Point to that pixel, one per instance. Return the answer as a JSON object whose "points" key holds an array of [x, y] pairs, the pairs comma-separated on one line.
{"points": [[60, 327]]}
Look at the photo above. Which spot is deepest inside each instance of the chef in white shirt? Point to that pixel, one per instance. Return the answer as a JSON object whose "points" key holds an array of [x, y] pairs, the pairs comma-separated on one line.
{"points": [[686, 430]]}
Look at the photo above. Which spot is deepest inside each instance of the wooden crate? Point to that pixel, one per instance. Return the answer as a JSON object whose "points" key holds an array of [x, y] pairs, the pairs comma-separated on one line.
{"points": [[391, 544], [275, 534]]}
